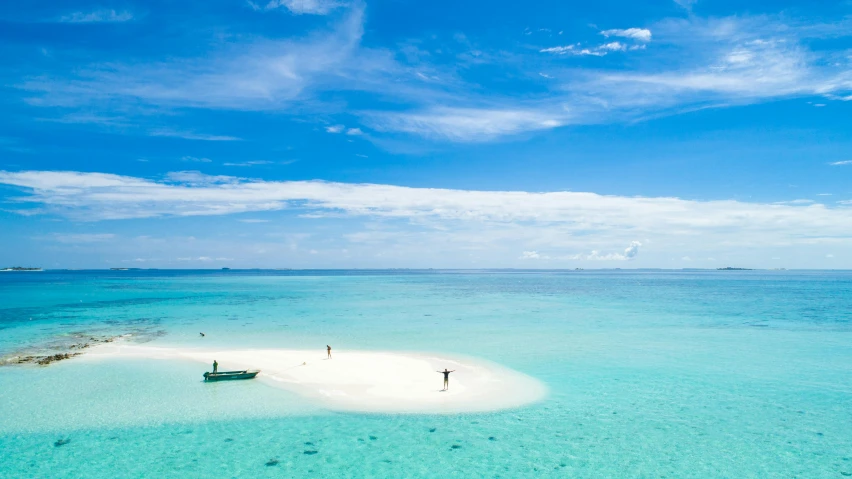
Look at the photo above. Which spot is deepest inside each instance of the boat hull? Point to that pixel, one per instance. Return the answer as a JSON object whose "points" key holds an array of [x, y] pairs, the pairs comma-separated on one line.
{"points": [[230, 375]]}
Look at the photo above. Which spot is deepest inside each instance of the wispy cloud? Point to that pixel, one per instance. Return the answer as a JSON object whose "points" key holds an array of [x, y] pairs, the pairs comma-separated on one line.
{"points": [[193, 159], [248, 163], [467, 124], [841, 163], [190, 135], [299, 7], [639, 34], [639, 37], [629, 253], [548, 219], [258, 75], [97, 16], [687, 4], [203, 259], [718, 62]]}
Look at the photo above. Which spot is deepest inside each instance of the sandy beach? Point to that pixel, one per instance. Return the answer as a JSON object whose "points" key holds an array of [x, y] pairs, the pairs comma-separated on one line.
{"points": [[367, 381]]}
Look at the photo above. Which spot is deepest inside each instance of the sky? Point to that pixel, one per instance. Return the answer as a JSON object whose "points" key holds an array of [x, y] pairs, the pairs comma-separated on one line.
{"points": [[403, 134]]}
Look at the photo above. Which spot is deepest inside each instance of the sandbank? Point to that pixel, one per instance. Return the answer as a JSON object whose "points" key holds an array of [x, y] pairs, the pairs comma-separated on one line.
{"points": [[365, 381]]}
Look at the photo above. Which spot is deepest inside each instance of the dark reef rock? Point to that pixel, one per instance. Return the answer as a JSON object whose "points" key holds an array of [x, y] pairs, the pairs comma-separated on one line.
{"points": [[272, 462], [45, 360], [61, 442], [66, 350], [310, 453]]}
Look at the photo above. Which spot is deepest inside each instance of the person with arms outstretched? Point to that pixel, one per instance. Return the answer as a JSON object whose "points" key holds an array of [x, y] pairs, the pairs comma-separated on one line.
{"points": [[329, 350], [446, 374]]}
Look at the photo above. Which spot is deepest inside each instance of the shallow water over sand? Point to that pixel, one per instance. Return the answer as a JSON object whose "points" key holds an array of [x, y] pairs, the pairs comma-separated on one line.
{"points": [[705, 374]]}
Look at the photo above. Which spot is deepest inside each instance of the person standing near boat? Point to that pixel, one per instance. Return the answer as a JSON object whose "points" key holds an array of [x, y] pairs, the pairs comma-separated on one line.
{"points": [[215, 366], [446, 374], [327, 347]]}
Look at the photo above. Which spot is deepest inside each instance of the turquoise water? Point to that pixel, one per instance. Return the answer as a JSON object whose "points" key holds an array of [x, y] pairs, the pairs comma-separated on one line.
{"points": [[651, 374]]}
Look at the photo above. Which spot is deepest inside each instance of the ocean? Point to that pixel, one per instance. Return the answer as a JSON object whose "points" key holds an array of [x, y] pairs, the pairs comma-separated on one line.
{"points": [[678, 374]]}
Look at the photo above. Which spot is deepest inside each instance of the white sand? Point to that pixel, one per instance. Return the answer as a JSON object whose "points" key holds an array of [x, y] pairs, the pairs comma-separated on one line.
{"points": [[366, 381]]}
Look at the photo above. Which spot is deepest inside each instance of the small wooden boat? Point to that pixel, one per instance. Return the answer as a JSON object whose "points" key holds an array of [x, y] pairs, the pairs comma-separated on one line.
{"points": [[227, 375]]}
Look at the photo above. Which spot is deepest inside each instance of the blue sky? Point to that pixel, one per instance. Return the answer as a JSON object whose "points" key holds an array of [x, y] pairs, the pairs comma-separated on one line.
{"points": [[320, 133]]}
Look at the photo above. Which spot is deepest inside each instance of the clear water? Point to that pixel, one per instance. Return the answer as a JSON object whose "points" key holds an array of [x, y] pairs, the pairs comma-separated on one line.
{"points": [[652, 374]]}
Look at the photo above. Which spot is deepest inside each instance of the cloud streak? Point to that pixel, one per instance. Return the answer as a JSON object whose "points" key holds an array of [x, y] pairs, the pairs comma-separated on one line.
{"points": [[692, 63], [467, 124], [300, 7], [97, 16], [638, 34], [101, 196]]}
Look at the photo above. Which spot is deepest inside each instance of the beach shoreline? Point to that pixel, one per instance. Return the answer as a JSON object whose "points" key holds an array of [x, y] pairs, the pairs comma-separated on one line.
{"points": [[359, 381]]}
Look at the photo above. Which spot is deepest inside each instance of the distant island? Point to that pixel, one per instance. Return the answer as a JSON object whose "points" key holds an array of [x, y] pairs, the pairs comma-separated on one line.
{"points": [[21, 268], [728, 268]]}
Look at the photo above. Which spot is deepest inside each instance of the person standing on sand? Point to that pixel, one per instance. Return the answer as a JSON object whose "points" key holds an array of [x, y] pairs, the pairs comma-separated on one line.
{"points": [[215, 366], [446, 374], [329, 350]]}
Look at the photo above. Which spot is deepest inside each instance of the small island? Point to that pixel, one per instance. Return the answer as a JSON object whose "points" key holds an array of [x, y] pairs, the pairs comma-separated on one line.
{"points": [[21, 268], [728, 268]]}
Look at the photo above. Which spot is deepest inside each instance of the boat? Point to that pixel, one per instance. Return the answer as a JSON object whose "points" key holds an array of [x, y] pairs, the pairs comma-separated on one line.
{"points": [[228, 375]]}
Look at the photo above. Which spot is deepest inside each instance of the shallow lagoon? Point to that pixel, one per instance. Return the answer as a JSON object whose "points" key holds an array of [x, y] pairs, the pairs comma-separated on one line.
{"points": [[651, 374]]}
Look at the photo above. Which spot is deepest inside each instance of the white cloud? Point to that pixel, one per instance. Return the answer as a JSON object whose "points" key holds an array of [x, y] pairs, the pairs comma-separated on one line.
{"points": [[595, 255], [498, 222], [258, 75], [629, 253], [97, 16], [189, 135], [354, 132], [467, 124], [203, 259], [193, 159], [334, 128], [250, 220], [638, 34], [299, 7], [248, 163], [613, 47], [717, 62], [558, 50], [597, 51], [841, 163]]}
